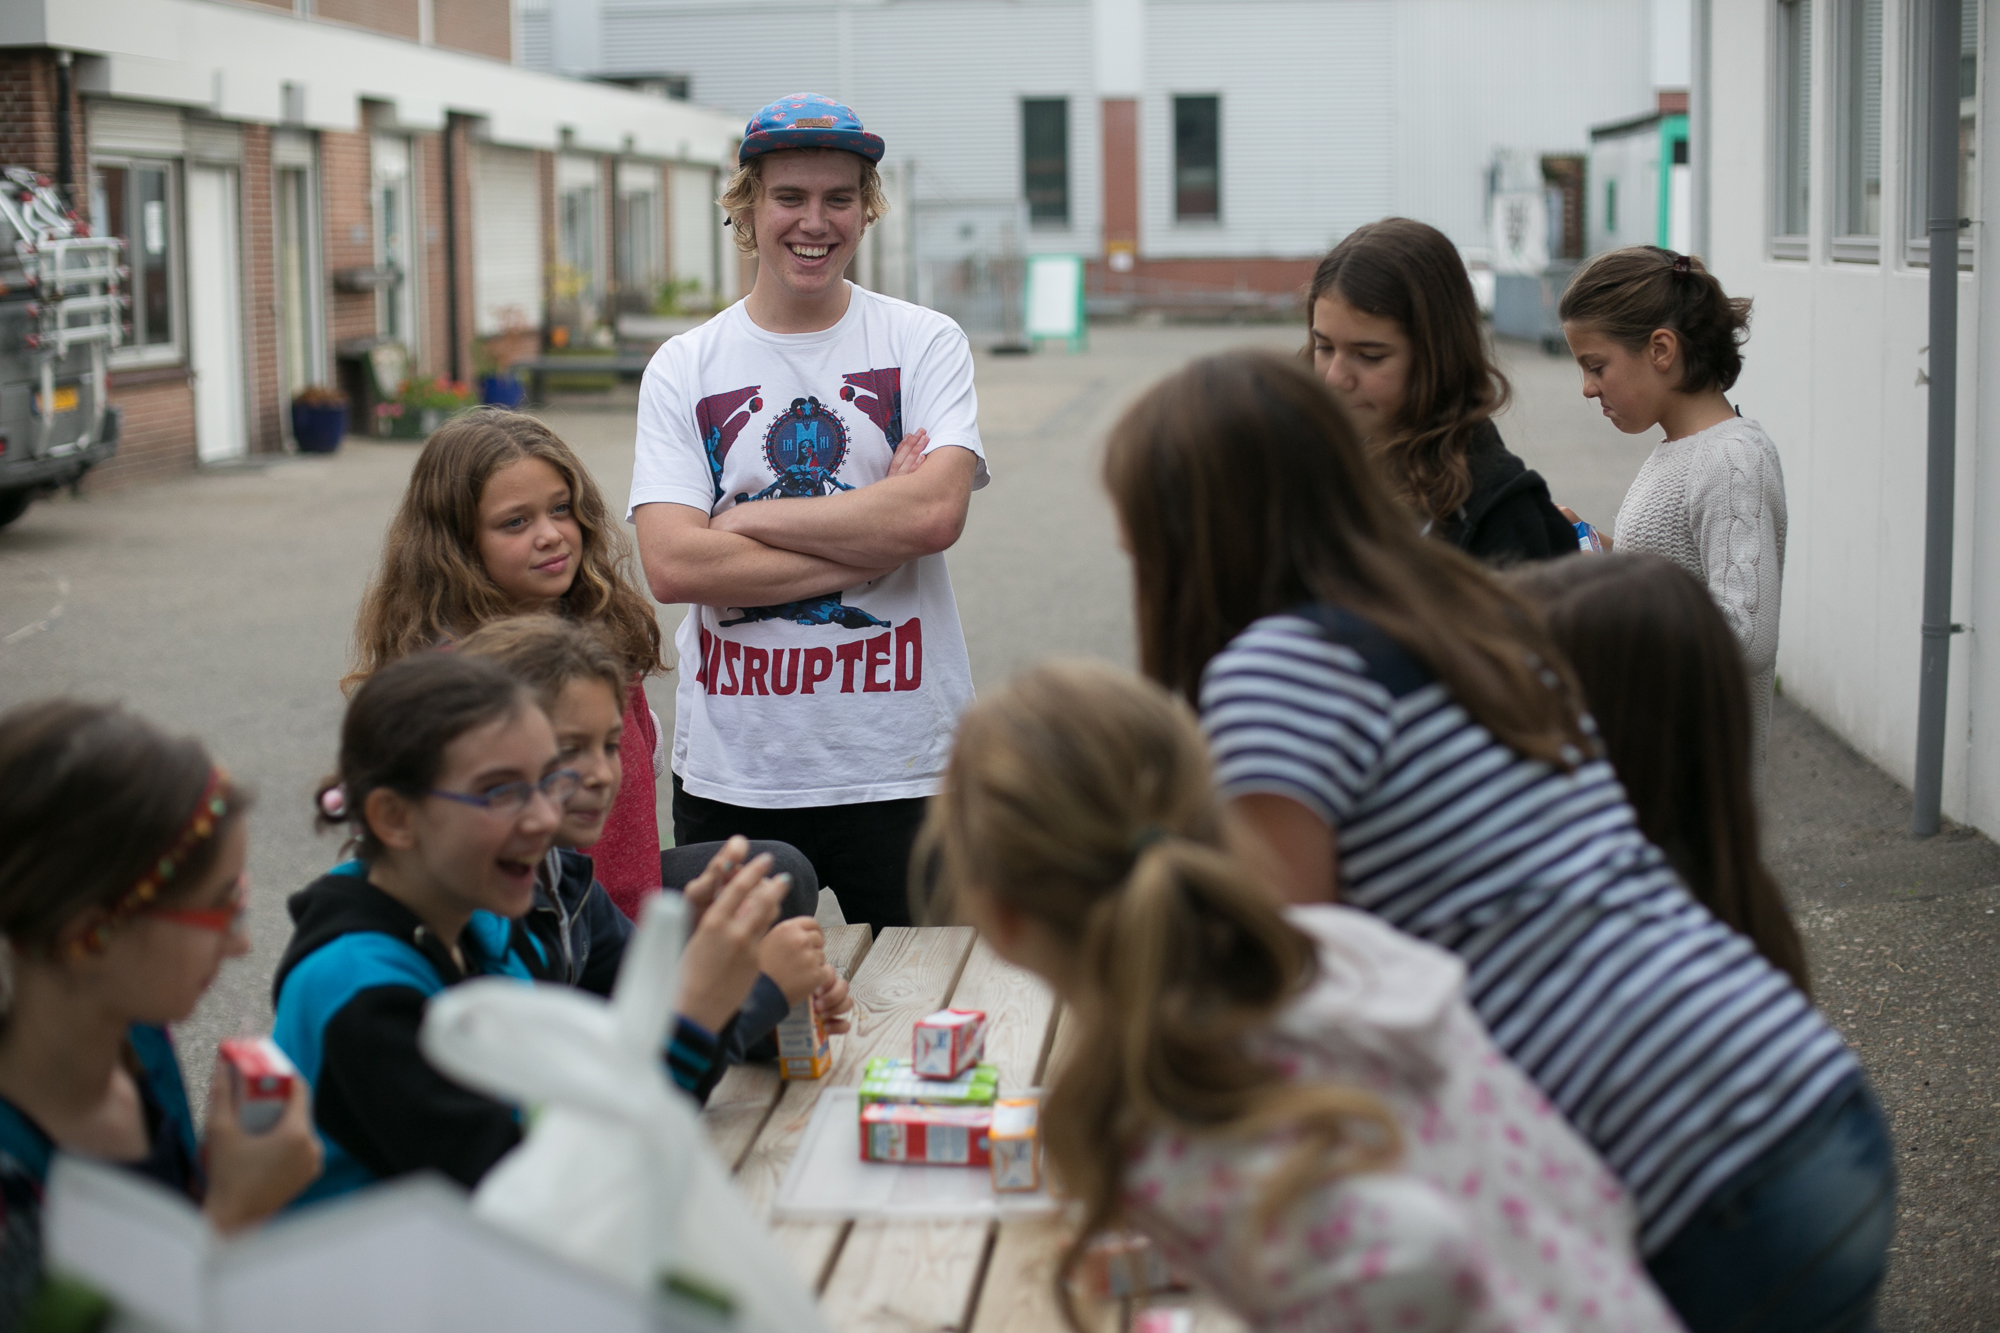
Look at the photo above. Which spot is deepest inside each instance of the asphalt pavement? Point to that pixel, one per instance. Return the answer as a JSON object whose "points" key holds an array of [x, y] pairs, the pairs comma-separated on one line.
{"points": [[222, 603]]}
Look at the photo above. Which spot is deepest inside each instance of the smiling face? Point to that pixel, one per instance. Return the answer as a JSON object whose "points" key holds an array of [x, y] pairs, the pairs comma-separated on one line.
{"points": [[589, 727], [1365, 360], [808, 220], [529, 539], [155, 968], [445, 859], [1633, 388]]}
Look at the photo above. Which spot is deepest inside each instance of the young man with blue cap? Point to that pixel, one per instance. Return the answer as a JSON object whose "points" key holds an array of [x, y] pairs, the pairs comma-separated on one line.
{"points": [[777, 491]]}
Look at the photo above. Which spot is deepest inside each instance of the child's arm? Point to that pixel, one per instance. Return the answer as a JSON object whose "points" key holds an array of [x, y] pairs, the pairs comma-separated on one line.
{"points": [[1736, 499], [378, 1097]]}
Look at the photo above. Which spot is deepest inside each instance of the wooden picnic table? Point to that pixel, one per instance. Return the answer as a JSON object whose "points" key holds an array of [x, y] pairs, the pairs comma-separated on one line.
{"points": [[974, 1276]]}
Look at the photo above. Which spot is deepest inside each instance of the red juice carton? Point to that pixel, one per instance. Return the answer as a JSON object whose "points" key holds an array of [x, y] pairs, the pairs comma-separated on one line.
{"points": [[1015, 1142], [925, 1135], [949, 1042], [803, 1049], [261, 1077]]}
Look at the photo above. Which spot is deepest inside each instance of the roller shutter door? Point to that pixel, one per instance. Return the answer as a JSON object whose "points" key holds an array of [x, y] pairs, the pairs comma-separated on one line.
{"points": [[506, 239]]}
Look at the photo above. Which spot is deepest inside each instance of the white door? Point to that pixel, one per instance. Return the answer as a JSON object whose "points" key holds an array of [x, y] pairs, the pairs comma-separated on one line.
{"points": [[215, 313]]}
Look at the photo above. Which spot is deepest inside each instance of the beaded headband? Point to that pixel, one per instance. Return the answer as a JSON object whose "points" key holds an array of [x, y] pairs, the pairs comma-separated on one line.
{"points": [[199, 828]]}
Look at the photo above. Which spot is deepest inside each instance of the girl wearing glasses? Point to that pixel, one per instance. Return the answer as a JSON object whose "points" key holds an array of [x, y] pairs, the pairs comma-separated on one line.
{"points": [[451, 784], [121, 895]]}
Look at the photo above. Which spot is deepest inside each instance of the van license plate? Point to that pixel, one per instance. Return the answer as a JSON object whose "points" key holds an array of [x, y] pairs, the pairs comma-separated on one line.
{"points": [[66, 400]]}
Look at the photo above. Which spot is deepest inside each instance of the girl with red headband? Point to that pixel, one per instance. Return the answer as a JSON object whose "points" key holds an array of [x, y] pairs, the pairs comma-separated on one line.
{"points": [[121, 894]]}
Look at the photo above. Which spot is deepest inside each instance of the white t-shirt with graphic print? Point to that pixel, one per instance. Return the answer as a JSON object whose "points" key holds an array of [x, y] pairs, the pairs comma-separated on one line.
{"points": [[838, 699]]}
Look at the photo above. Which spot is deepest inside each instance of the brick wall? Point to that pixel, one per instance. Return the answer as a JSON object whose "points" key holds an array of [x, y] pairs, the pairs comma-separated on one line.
{"points": [[157, 438], [398, 18], [483, 27], [350, 229], [28, 115], [265, 425]]}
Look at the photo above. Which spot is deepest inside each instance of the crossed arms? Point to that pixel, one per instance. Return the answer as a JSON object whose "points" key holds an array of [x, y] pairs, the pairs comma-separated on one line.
{"points": [[786, 550]]}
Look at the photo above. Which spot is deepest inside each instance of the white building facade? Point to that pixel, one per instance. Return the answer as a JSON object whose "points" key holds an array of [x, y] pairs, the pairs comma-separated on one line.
{"points": [[1815, 190], [1202, 144]]}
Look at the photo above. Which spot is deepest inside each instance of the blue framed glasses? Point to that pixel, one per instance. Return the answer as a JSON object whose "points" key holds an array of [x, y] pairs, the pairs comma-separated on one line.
{"points": [[510, 798]]}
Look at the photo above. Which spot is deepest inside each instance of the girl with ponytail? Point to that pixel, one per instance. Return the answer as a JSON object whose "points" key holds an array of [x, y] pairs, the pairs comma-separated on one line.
{"points": [[1297, 1105], [1660, 345]]}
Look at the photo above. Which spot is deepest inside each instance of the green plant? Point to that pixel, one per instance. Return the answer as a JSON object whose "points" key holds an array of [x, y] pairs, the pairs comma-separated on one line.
{"points": [[681, 296], [435, 394]]}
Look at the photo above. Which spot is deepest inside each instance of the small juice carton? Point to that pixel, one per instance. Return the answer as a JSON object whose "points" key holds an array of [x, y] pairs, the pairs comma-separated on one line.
{"points": [[261, 1077], [1588, 539], [1014, 1142], [803, 1048], [892, 1080], [949, 1042], [925, 1135], [1125, 1264]]}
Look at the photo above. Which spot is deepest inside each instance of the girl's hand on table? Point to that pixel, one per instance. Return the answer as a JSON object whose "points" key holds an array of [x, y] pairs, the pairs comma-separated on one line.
{"points": [[794, 956], [835, 1005]]}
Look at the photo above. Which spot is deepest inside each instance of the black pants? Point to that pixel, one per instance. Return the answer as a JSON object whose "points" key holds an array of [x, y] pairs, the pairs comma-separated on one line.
{"points": [[679, 866], [861, 851]]}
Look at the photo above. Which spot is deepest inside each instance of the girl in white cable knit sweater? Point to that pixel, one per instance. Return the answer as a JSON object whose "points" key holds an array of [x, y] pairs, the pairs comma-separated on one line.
{"points": [[1659, 342]]}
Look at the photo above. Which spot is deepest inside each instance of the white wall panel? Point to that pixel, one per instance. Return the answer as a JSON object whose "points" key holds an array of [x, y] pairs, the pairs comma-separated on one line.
{"points": [[1536, 75], [506, 239], [1308, 115]]}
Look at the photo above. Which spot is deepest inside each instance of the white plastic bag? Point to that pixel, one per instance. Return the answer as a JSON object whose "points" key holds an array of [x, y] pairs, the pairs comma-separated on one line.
{"points": [[615, 1173]]}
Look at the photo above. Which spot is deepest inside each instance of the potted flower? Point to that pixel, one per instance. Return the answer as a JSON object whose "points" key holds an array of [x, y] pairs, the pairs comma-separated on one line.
{"points": [[319, 419], [422, 405], [493, 358]]}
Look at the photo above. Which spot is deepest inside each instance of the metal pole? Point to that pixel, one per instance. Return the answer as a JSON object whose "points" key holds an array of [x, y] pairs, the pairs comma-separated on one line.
{"points": [[1698, 127], [1943, 437], [452, 158]]}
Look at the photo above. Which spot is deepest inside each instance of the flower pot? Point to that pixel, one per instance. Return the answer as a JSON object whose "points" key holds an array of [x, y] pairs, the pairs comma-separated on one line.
{"points": [[501, 390], [318, 430]]}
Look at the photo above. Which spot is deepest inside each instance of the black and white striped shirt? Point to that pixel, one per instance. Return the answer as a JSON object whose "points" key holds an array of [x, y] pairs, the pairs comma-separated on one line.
{"points": [[1662, 1034]]}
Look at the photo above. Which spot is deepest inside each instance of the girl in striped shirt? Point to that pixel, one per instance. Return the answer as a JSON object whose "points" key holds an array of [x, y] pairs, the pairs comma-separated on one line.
{"points": [[1396, 732]]}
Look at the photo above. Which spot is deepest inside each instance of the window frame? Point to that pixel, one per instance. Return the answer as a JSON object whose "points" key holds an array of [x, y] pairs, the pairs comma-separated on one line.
{"points": [[131, 354], [1181, 219], [1849, 243], [1028, 178], [1786, 144], [1916, 136]]}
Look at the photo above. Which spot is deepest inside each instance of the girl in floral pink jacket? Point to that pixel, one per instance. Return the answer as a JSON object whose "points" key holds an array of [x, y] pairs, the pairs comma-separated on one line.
{"points": [[1298, 1106]]}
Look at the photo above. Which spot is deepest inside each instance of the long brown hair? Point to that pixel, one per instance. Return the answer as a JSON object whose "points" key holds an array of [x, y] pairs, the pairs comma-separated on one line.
{"points": [[1082, 798], [1664, 678], [1243, 492], [1410, 272], [1629, 294], [432, 588]]}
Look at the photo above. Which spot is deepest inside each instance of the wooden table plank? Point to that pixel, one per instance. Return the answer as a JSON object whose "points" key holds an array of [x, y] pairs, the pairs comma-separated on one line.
{"points": [[907, 974], [904, 1276], [743, 1100]]}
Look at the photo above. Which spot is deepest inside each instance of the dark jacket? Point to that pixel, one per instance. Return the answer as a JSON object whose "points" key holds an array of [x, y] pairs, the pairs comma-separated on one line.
{"points": [[584, 934], [1508, 517], [350, 994]]}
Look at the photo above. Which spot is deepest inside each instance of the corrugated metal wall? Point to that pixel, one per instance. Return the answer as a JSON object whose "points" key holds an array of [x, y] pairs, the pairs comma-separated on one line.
{"points": [[1334, 112], [506, 239]]}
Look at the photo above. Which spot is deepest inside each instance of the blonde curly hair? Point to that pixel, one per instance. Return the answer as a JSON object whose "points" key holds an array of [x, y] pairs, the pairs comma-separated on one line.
{"points": [[740, 197]]}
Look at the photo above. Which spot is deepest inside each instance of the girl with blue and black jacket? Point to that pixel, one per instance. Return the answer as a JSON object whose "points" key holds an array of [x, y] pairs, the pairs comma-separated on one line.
{"points": [[122, 894], [452, 783]]}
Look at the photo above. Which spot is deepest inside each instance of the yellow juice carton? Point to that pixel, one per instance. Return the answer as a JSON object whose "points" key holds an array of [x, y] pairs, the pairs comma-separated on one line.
{"points": [[803, 1048], [1014, 1143]]}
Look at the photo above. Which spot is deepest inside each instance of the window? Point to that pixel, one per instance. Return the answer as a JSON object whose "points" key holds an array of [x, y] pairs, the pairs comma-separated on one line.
{"points": [[1792, 212], [1919, 246], [1857, 198], [135, 202], [1197, 159], [395, 240], [576, 281], [298, 307], [1045, 160], [640, 232]]}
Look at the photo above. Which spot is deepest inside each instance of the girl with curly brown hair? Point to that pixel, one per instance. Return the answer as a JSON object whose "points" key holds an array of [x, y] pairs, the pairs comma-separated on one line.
{"points": [[502, 518]]}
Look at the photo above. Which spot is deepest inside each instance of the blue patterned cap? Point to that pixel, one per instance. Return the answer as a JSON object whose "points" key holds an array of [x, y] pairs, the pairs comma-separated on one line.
{"points": [[807, 120]]}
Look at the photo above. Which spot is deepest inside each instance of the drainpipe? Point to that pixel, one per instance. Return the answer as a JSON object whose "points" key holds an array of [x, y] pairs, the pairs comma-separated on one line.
{"points": [[65, 168], [451, 125], [1698, 127], [1943, 436]]}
